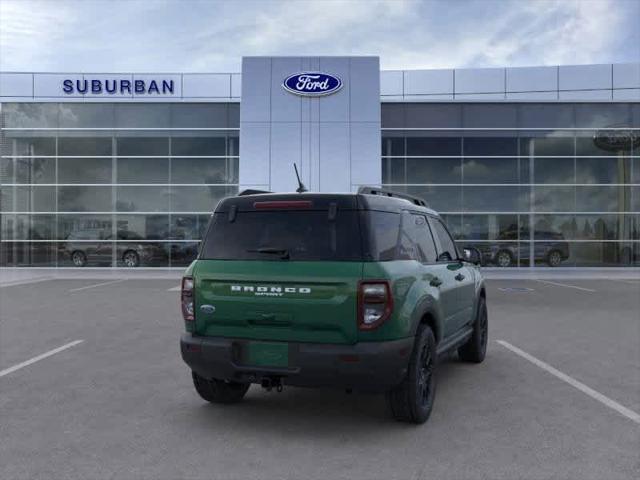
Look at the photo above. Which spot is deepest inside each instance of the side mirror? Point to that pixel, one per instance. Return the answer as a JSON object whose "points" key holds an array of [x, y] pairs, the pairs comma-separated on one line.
{"points": [[472, 255]]}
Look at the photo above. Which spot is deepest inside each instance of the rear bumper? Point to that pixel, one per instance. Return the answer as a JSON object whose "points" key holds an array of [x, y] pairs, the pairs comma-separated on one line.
{"points": [[366, 366]]}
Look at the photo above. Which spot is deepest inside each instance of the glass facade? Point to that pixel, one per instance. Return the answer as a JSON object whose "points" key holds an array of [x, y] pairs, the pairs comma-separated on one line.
{"points": [[133, 184], [527, 184], [112, 184]]}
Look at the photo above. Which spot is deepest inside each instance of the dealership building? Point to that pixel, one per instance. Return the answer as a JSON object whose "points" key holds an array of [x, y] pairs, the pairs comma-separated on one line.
{"points": [[535, 166]]}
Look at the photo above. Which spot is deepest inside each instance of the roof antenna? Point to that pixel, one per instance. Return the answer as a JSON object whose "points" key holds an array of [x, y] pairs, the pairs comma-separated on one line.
{"points": [[301, 188]]}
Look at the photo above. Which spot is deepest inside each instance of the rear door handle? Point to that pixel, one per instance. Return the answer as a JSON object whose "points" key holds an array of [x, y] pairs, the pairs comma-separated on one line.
{"points": [[435, 282], [459, 277]]}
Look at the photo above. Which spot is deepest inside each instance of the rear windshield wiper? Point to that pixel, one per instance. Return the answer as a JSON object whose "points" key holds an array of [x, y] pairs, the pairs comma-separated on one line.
{"points": [[283, 252]]}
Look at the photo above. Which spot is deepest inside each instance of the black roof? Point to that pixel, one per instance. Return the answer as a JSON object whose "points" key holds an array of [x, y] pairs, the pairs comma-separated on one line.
{"points": [[322, 201]]}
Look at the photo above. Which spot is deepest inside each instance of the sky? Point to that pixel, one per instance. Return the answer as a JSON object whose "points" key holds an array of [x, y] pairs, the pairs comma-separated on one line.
{"points": [[212, 36]]}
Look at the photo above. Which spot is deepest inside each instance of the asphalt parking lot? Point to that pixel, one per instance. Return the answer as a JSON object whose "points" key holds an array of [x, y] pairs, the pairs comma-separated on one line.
{"points": [[120, 403]]}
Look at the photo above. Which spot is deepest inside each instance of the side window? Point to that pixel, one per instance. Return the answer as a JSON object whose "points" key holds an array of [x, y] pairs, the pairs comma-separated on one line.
{"points": [[416, 242], [447, 246], [384, 228]]}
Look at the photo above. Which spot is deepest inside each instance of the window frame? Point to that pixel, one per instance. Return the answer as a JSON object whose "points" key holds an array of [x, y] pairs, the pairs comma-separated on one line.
{"points": [[436, 238]]}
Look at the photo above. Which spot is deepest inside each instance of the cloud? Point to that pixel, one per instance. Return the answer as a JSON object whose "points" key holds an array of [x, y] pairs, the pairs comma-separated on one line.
{"points": [[167, 35]]}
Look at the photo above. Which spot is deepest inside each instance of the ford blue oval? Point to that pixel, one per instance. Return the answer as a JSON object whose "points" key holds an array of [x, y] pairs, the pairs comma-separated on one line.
{"points": [[312, 84]]}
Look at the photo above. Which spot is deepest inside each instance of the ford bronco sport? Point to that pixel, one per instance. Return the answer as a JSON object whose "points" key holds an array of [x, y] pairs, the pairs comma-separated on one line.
{"points": [[358, 291]]}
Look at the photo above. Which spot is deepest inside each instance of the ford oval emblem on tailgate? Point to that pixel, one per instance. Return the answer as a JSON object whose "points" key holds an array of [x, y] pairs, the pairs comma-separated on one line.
{"points": [[312, 84], [207, 308]]}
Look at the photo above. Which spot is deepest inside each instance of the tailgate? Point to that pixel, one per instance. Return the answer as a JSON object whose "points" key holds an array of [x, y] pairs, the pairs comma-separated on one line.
{"points": [[299, 301]]}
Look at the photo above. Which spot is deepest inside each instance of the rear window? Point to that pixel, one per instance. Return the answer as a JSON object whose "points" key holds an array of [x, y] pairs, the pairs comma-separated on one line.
{"points": [[275, 235]]}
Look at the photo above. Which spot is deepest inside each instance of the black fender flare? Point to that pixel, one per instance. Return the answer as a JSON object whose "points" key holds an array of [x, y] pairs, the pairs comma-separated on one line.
{"points": [[426, 307]]}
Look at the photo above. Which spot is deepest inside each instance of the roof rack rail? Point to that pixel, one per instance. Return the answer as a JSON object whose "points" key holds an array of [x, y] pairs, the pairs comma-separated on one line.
{"points": [[250, 191], [390, 193]]}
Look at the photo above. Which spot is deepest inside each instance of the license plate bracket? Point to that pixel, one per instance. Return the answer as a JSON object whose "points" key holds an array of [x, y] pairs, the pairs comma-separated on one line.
{"points": [[267, 354]]}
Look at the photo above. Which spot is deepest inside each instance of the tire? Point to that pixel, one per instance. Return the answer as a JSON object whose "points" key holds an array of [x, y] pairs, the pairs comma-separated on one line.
{"points": [[412, 401], [131, 259], [554, 258], [475, 349], [504, 258], [78, 258], [219, 391]]}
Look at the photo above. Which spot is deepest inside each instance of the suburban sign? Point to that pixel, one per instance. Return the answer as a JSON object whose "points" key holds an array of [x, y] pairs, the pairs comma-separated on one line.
{"points": [[101, 86], [312, 84]]}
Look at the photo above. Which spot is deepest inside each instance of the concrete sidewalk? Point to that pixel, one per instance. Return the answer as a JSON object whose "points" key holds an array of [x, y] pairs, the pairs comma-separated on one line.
{"points": [[14, 276]]}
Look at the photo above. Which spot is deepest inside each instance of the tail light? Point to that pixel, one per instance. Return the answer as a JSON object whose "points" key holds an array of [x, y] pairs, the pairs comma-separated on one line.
{"points": [[375, 304], [187, 298]]}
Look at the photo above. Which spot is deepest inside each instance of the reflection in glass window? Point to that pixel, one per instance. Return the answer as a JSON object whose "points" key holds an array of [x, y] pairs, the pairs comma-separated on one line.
{"points": [[143, 170], [198, 199], [84, 199], [603, 198], [494, 199], [188, 227], [198, 146], [32, 199], [33, 170], [28, 254], [28, 227], [146, 227], [84, 226], [501, 254], [383, 235], [84, 170], [549, 146], [490, 227], [83, 145], [553, 170], [28, 146], [433, 146], [554, 199], [555, 226], [417, 232], [142, 146], [143, 199], [393, 146], [447, 250], [189, 115], [182, 253], [454, 225], [86, 115], [142, 115], [603, 170], [394, 170], [30, 115], [598, 254], [433, 170], [204, 170], [490, 170], [487, 146]]}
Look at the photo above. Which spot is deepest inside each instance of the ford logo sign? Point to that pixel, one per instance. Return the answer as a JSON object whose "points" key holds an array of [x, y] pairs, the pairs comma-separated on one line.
{"points": [[617, 138], [312, 84]]}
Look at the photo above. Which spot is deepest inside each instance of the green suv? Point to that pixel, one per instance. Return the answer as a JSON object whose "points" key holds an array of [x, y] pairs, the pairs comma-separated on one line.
{"points": [[358, 291]]}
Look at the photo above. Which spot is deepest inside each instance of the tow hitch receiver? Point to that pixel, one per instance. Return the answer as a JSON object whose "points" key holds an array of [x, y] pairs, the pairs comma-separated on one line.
{"points": [[269, 383]]}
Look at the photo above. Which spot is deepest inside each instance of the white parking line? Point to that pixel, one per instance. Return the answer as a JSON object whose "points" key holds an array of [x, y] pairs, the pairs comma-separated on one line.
{"points": [[628, 282], [25, 281], [566, 285], [630, 414], [9, 370], [96, 285], [174, 289]]}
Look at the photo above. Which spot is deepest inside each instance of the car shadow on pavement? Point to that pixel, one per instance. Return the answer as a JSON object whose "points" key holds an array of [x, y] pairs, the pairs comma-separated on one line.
{"points": [[325, 412]]}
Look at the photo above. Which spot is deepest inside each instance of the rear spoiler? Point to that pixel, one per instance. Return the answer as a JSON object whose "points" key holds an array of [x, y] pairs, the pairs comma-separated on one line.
{"points": [[250, 191]]}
